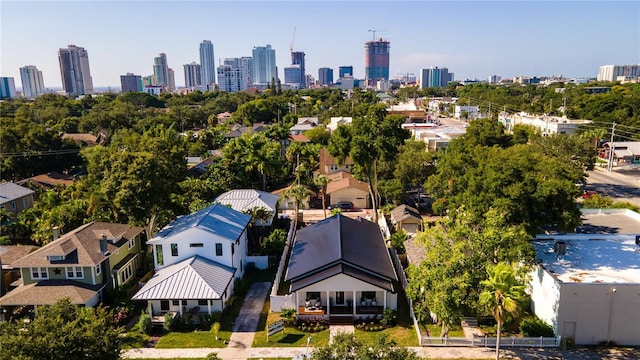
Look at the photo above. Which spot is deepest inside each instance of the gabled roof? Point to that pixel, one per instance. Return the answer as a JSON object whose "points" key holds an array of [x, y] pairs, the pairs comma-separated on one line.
{"points": [[625, 148], [299, 138], [405, 212], [327, 160], [308, 120], [356, 244], [10, 192], [81, 246], [346, 181], [216, 219], [193, 278], [50, 179], [248, 199], [47, 292]]}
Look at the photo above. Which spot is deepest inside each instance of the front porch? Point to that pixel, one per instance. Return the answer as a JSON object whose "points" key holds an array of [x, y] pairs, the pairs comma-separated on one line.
{"points": [[330, 304]]}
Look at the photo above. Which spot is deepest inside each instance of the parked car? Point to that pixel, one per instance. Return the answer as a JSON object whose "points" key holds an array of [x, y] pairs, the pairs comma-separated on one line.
{"points": [[587, 194], [344, 205]]}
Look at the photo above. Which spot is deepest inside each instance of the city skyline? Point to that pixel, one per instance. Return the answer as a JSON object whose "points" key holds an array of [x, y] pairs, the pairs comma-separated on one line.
{"points": [[473, 39]]}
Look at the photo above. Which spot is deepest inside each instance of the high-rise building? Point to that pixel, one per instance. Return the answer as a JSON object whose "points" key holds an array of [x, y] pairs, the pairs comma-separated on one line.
{"points": [[233, 74], [32, 83], [130, 83], [325, 76], [435, 77], [74, 68], [493, 79], [376, 60], [264, 65], [293, 76], [7, 88], [172, 80], [297, 58], [207, 63], [192, 75], [246, 63], [147, 80], [161, 70], [345, 71], [611, 72]]}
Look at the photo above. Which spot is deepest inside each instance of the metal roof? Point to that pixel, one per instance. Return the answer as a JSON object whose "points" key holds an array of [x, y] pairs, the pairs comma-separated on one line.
{"points": [[193, 278], [10, 191], [339, 239], [248, 199], [216, 219]]}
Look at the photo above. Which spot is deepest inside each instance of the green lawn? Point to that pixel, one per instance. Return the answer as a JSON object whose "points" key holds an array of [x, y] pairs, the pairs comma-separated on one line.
{"points": [[195, 339], [134, 339], [434, 330], [403, 336], [290, 337]]}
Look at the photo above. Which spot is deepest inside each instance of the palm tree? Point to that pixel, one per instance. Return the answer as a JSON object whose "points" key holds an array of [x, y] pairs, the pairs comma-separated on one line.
{"points": [[502, 294], [321, 182], [298, 193]]}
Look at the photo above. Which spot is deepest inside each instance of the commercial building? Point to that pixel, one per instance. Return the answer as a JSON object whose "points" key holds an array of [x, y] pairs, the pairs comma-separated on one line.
{"points": [[376, 61], [611, 72], [435, 77], [207, 63], [233, 75], [586, 284], [264, 65], [7, 88], [172, 79], [293, 76], [192, 75], [548, 125], [297, 58], [161, 71], [74, 68], [130, 83], [325, 76], [32, 83], [345, 71]]}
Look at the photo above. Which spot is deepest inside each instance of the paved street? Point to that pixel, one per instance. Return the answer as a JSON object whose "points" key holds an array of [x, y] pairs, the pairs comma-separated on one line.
{"points": [[619, 185]]}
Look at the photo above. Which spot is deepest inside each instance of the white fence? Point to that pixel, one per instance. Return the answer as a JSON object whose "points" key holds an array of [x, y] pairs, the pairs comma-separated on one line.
{"points": [[505, 342], [260, 262], [279, 302]]}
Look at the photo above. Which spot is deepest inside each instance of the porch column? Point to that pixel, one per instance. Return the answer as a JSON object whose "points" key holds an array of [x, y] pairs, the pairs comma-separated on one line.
{"points": [[180, 306], [355, 303], [35, 310], [149, 308], [209, 306], [297, 306], [328, 303], [384, 302]]}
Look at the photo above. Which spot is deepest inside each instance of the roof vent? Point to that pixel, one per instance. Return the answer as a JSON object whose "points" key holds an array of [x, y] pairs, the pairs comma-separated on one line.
{"points": [[560, 248]]}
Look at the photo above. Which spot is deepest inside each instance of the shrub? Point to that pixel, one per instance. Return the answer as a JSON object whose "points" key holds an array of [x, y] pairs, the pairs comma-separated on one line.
{"points": [[389, 317], [534, 327], [169, 322], [212, 356], [215, 329], [144, 323]]}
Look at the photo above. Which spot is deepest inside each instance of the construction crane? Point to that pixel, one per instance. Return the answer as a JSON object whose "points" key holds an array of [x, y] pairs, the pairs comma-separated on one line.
{"points": [[293, 38], [374, 32]]}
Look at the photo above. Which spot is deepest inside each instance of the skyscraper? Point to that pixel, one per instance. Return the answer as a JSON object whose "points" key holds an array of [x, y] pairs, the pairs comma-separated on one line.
{"points": [[130, 83], [345, 71], [32, 83], [264, 65], [172, 80], [207, 63], [74, 68], [297, 58], [325, 76], [192, 75], [232, 75], [7, 88], [376, 60], [293, 76], [435, 77], [161, 70]]}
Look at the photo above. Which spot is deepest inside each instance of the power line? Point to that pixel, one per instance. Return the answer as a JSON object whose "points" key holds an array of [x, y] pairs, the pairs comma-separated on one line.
{"points": [[41, 153]]}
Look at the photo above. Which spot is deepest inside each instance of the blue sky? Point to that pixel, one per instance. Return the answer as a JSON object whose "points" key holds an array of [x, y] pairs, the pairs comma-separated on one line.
{"points": [[474, 39]]}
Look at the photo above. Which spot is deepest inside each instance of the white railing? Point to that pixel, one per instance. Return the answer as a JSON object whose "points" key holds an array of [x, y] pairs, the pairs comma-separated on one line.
{"points": [[505, 342]]}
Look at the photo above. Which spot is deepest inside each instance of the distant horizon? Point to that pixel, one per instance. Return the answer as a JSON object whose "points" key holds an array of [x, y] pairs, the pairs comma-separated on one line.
{"points": [[473, 39]]}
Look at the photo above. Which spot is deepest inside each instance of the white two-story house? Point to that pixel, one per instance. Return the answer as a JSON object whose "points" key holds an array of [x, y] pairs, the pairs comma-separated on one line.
{"points": [[197, 257]]}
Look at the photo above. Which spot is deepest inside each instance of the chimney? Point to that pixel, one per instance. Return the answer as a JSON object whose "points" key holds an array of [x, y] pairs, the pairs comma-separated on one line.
{"points": [[56, 232], [103, 244], [560, 248]]}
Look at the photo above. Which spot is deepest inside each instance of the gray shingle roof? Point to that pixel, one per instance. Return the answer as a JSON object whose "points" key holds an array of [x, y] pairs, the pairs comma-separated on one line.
{"points": [[405, 212], [10, 191], [193, 278], [47, 292], [340, 240]]}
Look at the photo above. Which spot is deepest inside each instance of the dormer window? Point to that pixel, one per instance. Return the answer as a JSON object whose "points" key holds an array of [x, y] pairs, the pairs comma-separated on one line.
{"points": [[39, 273], [74, 272], [55, 257]]}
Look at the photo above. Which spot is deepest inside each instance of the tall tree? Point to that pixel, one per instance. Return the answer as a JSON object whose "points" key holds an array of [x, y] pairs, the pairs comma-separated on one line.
{"points": [[503, 294], [321, 181]]}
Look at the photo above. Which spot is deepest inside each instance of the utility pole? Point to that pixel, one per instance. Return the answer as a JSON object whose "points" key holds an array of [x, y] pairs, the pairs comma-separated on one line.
{"points": [[611, 148], [564, 106]]}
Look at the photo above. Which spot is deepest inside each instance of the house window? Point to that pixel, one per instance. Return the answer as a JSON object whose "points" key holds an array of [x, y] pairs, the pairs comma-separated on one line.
{"points": [[25, 202], [164, 305], [98, 269], [159, 257], [39, 273], [196, 245], [369, 295], [126, 273], [74, 272], [203, 302], [176, 302], [132, 243], [313, 295], [219, 249], [174, 249], [13, 205]]}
